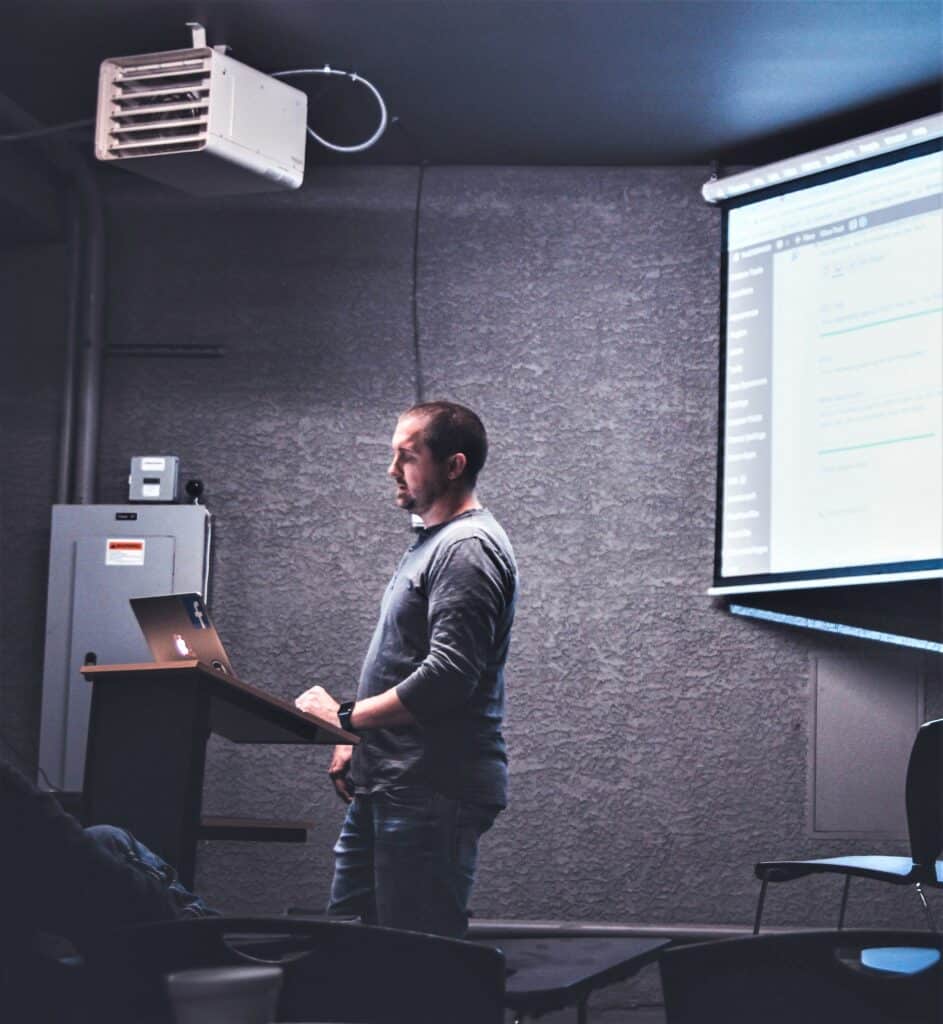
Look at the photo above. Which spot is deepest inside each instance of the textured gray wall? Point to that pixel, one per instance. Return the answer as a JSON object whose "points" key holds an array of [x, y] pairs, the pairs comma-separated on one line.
{"points": [[658, 745]]}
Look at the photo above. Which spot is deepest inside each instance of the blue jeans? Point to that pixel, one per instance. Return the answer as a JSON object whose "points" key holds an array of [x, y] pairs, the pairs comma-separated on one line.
{"points": [[124, 847], [406, 858]]}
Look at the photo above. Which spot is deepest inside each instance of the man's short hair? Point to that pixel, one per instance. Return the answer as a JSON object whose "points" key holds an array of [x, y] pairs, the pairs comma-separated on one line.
{"points": [[450, 428]]}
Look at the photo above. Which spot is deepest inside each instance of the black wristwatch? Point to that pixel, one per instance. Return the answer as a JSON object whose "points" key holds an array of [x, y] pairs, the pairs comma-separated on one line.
{"points": [[344, 713]]}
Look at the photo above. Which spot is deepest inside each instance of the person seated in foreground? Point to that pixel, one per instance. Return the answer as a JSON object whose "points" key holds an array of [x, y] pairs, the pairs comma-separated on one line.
{"points": [[81, 884]]}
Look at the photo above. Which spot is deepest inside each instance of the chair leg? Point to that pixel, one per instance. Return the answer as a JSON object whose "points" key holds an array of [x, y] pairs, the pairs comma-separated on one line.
{"points": [[926, 907], [759, 906], [582, 1011], [844, 902]]}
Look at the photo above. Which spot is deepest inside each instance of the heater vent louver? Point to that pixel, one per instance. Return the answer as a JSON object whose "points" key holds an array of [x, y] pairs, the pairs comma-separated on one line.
{"points": [[158, 107]]}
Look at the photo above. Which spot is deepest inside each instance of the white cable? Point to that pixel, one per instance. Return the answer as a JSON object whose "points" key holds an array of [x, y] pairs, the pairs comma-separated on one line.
{"points": [[328, 70]]}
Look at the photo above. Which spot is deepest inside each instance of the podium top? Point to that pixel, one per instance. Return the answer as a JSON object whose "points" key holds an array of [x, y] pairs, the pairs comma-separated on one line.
{"points": [[238, 711]]}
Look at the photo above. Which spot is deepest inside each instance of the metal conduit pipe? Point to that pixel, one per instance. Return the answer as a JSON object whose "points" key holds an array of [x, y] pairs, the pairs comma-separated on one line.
{"points": [[92, 344], [82, 389], [73, 328], [486, 928]]}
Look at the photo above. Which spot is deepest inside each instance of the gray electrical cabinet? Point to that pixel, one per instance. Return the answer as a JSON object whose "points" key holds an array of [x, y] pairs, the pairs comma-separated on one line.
{"points": [[100, 557]]}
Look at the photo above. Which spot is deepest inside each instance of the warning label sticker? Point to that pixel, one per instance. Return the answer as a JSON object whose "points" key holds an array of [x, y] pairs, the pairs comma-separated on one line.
{"points": [[124, 551]]}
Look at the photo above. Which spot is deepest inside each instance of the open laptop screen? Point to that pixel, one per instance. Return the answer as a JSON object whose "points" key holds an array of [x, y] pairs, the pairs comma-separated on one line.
{"points": [[177, 627]]}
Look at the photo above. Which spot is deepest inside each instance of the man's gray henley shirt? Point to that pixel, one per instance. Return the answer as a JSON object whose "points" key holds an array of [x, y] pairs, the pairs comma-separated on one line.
{"points": [[442, 640]]}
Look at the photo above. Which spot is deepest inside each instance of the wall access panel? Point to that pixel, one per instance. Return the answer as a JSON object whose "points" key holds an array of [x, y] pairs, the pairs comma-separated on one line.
{"points": [[100, 557]]}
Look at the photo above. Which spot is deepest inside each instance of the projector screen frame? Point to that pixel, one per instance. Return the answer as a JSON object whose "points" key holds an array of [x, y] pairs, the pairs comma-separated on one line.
{"points": [[874, 573]]}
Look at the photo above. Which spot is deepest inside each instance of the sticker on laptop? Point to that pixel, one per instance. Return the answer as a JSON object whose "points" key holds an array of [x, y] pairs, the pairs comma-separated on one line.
{"points": [[196, 611]]}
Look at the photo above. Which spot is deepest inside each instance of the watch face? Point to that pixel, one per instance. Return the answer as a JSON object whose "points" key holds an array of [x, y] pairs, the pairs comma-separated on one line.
{"points": [[343, 715]]}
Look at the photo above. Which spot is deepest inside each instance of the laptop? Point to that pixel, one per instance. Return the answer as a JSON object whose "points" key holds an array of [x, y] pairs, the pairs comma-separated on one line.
{"points": [[178, 628]]}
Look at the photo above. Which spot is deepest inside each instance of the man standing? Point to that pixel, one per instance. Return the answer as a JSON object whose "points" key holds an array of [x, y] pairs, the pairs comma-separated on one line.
{"points": [[430, 772]]}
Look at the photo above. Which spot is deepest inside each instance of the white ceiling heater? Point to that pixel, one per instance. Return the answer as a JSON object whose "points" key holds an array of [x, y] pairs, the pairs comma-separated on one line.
{"points": [[201, 121]]}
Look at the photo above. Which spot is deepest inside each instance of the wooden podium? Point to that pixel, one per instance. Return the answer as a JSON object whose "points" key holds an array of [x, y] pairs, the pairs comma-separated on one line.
{"points": [[147, 749]]}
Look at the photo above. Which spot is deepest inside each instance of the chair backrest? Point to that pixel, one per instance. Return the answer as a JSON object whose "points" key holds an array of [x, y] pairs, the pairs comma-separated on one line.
{"points": [[808, 977], [925, 794], [332, 971]]}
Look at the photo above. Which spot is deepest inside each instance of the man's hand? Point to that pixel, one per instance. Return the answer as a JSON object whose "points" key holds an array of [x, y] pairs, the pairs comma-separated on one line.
{"points": [[383, 711], [338, 771], [317, 701]]}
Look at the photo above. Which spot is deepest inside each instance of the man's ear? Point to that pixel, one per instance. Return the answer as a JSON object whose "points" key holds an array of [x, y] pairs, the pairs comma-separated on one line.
{"points": [[457, 463]]}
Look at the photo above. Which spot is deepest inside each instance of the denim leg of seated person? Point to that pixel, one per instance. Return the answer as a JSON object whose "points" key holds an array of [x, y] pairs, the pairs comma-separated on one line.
{"points": [[406, 858], [121, 845], [59, 879]]}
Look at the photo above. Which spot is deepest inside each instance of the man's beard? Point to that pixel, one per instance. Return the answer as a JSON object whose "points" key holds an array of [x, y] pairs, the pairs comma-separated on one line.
{"points": [[404, 498]]}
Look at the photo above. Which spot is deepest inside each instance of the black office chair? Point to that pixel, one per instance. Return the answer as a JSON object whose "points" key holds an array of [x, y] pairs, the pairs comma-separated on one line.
{"points": [[924, 795], [807, 977], [41, 979], [333, 971]]}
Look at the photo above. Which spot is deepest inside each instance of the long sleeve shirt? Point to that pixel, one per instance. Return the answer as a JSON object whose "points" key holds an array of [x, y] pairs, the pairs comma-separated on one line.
{"points": [[442, 641]]}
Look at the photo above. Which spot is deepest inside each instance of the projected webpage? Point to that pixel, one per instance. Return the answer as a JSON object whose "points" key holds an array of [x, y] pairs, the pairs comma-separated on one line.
{"points": [[833, 433]]}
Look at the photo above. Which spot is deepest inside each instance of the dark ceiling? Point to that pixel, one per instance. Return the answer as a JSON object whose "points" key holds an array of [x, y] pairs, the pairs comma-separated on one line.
{"points": [[528, 81]]}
